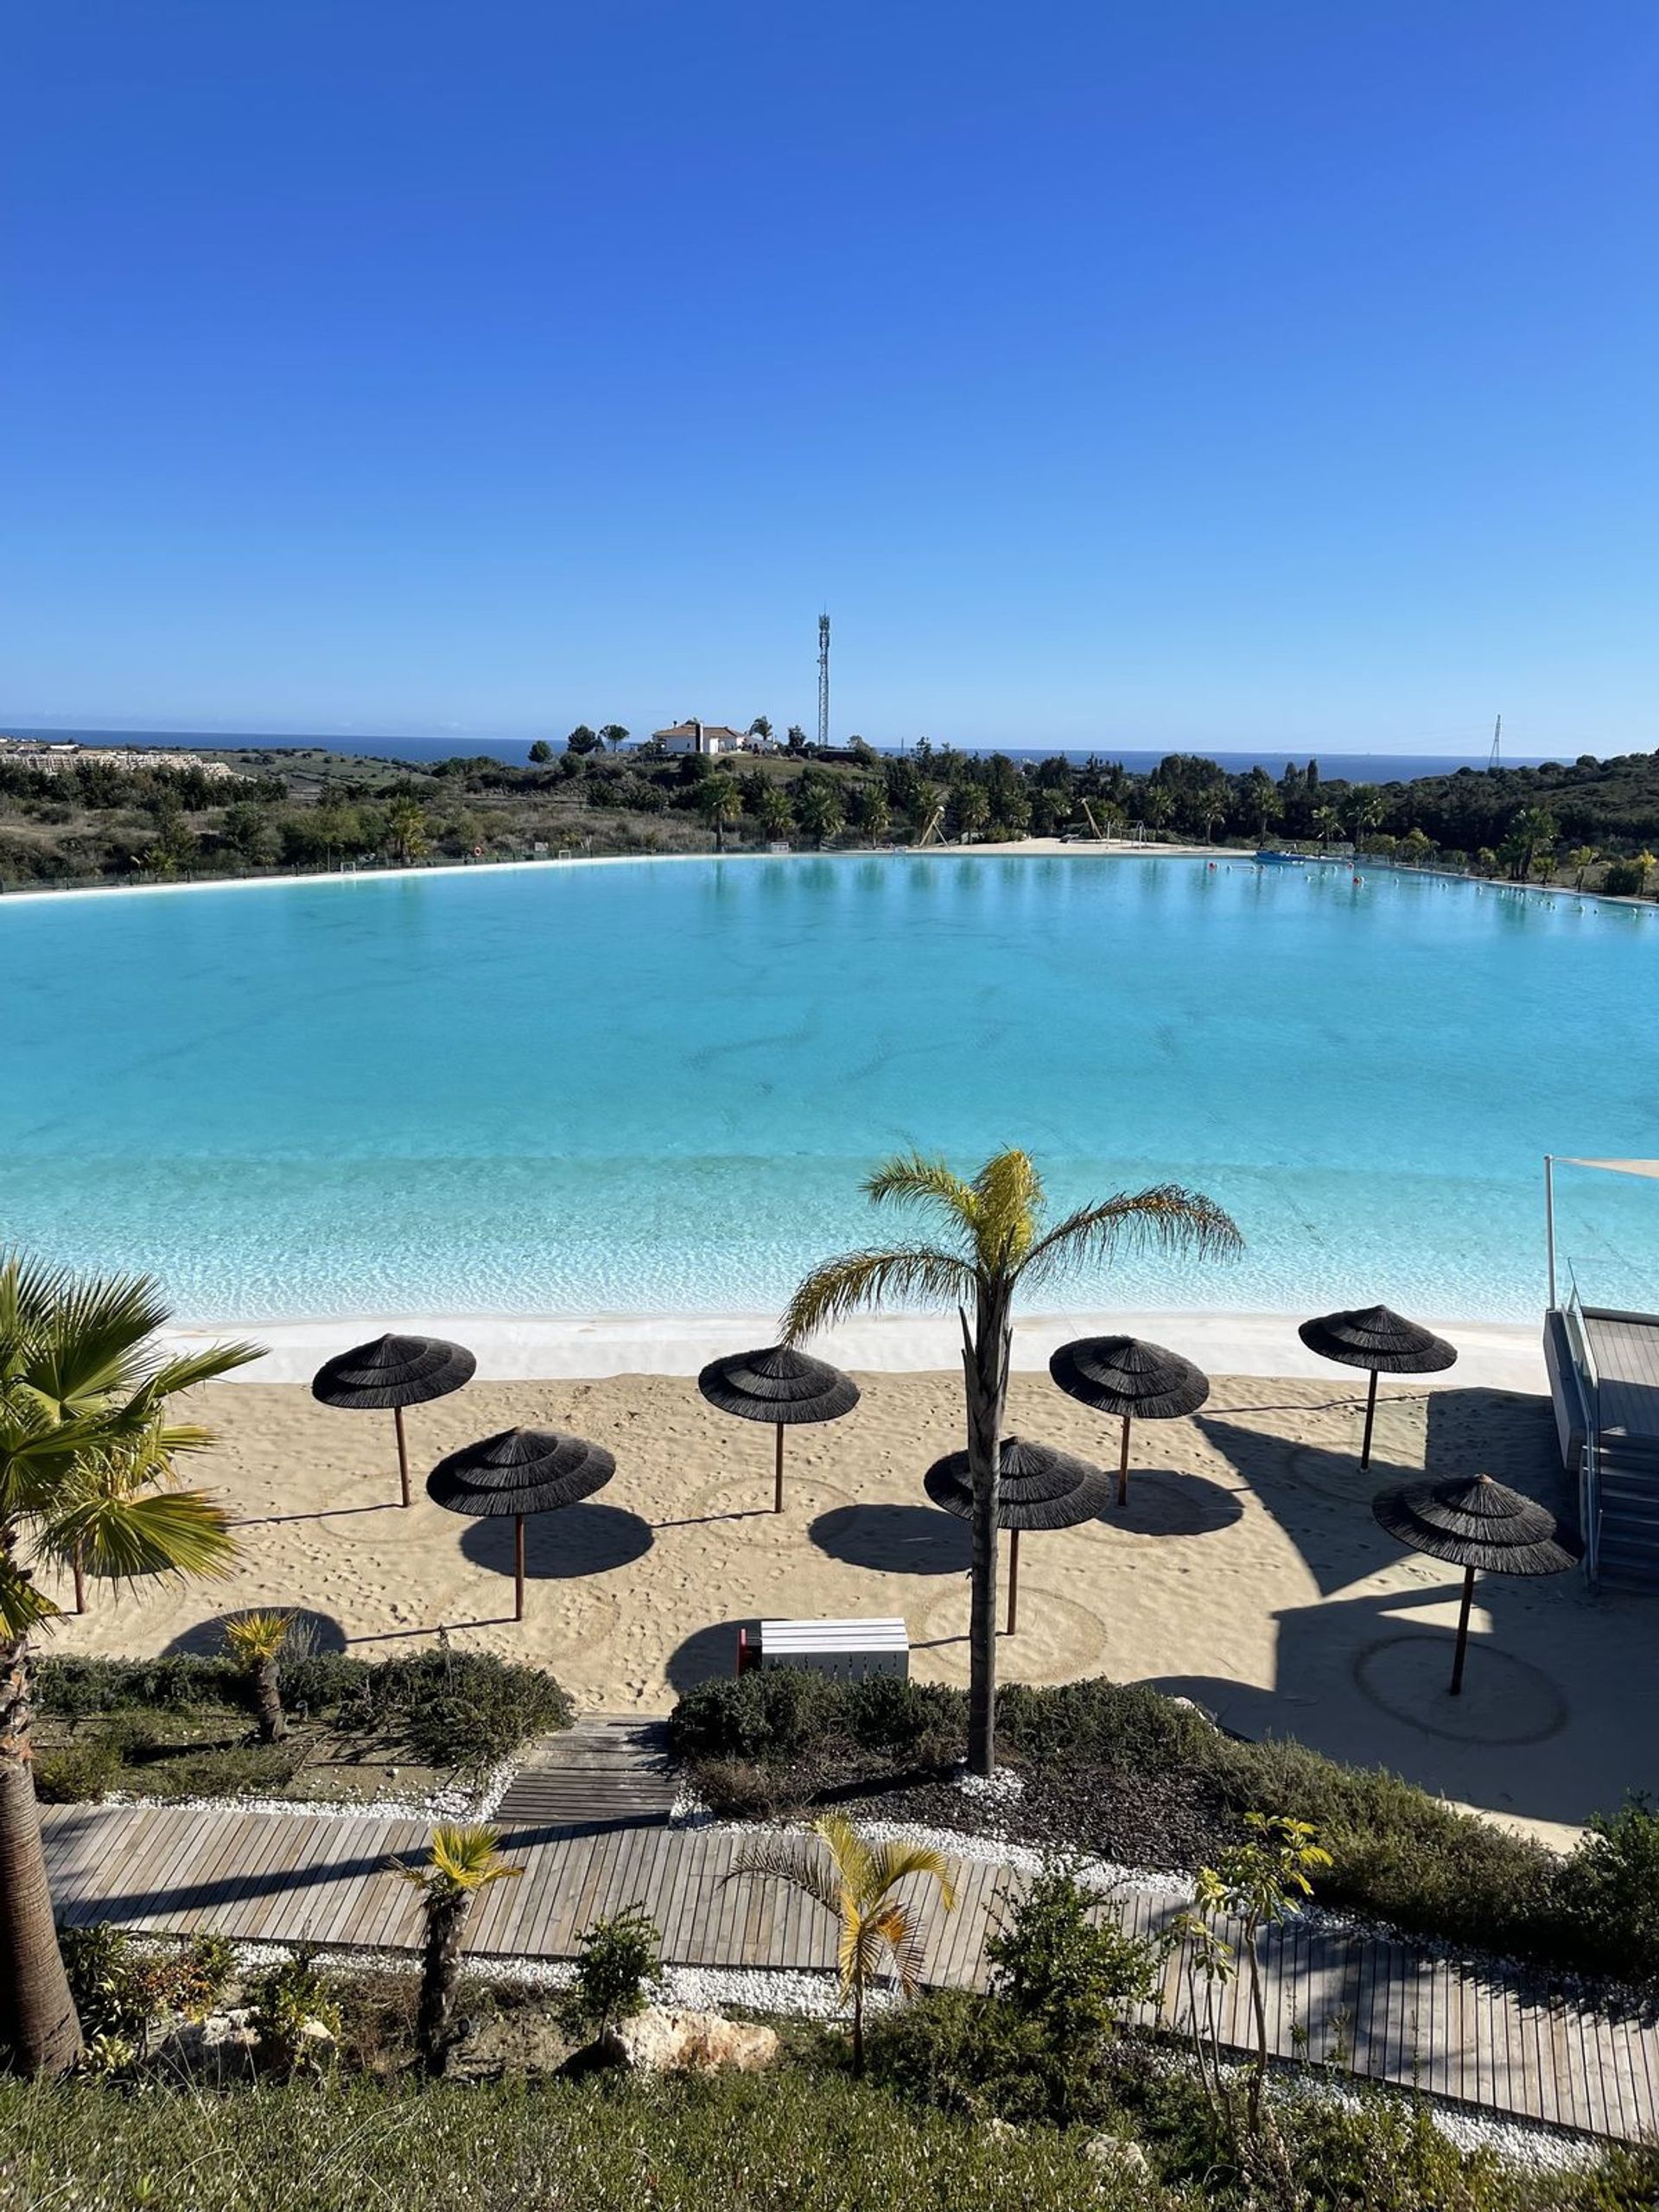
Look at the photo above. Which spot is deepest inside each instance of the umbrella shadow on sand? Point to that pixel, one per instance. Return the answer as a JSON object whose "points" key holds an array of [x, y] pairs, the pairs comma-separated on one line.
{"points": [[894, 1539], [1168, 1502], [577, 1541]]}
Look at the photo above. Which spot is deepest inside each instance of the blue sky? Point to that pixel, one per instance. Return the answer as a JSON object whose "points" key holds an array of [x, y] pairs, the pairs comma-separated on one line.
{"points": [[1197, 373]]}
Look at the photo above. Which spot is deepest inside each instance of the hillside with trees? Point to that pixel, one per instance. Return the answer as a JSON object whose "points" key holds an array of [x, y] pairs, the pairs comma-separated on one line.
{"points": [[1590, 823]]}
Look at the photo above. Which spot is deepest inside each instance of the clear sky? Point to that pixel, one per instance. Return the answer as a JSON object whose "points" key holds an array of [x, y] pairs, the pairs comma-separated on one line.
{"points": [[1208, 374]]}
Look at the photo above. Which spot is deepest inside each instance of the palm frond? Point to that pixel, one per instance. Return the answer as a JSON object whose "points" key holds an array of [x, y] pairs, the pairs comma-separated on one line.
{"points": [[120, 1537], [186, 1369], [252, 1637], [793, 1860], [892, 1862], [93, 1335], [912, 1178], [1010, 1195], [895, 1928], [859, 1280], [21, 1606], [849, 1853], [1165, 1218]]}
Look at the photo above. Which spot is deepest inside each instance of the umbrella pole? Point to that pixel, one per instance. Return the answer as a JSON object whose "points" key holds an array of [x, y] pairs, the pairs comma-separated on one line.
{"points": [[778, 1472], [1123, 1466], [1463, 1632], [1371, 1416], [519, 1567], [1014, 1579], [402, 1450]]}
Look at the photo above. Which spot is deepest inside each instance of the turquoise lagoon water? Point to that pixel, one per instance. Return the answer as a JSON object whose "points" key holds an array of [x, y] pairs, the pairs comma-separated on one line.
{"points": [[651, 1087]]}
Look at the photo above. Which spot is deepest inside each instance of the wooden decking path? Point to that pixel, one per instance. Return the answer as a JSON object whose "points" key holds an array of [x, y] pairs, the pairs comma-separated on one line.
{"points": [[1390, 2012], [602, 1772]]}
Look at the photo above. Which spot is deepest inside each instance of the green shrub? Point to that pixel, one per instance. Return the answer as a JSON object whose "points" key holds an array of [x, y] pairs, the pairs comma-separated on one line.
{"points": [[76, 1687], [288, 2003], [617, 1961], [1622, 879], [87, 1767], [979, 2058], [1076, 1977], [124, 1989], [778, 1713], [446, 1709], [1609, 1889], [441, 1708]]}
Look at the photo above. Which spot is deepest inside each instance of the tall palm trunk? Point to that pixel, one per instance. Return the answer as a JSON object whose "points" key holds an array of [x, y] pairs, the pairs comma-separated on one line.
{"points": [[267, 1698], [446, 1918], [985, 1369], [39, 2032]]}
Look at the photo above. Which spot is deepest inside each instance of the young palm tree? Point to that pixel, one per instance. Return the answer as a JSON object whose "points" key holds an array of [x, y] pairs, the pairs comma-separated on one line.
{"points": [[86, 1457], [996, 1243], [854, 1881], [459, 1862], [255, 1640]]}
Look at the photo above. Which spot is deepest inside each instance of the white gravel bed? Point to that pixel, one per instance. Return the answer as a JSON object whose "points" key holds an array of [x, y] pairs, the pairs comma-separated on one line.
{"points": [[450, 1803]]}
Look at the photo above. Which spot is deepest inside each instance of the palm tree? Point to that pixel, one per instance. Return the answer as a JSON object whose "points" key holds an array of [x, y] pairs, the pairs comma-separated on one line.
{"points": [[1362, 811], [1581, 859], [997, 1242], [1326, 824], [777, 816], [255, 1640], [1645, 863], [854, 1881], [819, 806], [459, 1862], [87, 1457], [719, 801], [761, 728], [406, 830]]}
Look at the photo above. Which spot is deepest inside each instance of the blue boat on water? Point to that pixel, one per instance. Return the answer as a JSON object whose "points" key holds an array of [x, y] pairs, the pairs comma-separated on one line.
{"points": [[1265, 859]]}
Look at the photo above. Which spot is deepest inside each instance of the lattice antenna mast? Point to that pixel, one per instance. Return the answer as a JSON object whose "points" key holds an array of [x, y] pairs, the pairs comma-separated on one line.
{"points": [[1495, 759], [824, 680]]}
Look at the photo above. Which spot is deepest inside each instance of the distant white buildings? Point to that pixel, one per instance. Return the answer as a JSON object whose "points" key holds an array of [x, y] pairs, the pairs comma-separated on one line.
{"points": [[704, 737], [55, 753]]}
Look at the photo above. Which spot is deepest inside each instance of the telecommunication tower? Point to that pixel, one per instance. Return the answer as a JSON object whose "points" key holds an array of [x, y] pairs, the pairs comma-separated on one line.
{"points": [[824, 680], [1495, 759]]}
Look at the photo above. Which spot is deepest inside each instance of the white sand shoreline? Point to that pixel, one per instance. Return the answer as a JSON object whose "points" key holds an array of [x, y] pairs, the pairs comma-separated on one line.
{"points": [[1019, 848], [1497, 1355]]}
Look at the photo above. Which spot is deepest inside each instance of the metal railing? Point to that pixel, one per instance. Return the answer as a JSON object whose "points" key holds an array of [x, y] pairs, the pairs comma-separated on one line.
{"points": [[1584, 1361]]}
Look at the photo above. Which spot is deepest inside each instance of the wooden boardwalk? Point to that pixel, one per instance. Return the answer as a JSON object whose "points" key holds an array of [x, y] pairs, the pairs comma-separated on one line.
{"points": [[601, 1772], [1388, 2012]]}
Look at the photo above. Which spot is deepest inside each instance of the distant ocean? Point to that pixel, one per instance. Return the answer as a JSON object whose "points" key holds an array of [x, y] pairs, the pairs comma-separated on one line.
{"points": [[1358, 767]]}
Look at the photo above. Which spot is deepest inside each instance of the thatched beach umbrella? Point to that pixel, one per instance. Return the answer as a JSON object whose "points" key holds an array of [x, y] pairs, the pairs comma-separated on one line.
{"points": [[390, 1374], [1037, 1487], [781, 1385], [517, 1473], [1135, 1380], [1375, 1337], [1480, 1526]]}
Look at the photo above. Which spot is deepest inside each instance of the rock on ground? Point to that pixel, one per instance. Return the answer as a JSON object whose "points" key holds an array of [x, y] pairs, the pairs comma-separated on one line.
{"points": [[687, 2043]]}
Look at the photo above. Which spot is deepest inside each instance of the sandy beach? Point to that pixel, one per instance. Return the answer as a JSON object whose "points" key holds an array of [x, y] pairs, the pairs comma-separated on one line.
{"points": [[1247, 1570]]}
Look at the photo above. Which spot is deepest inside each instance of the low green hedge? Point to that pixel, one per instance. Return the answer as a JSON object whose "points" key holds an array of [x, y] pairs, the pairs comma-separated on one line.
{"points": [[439, 1709], [770, 1738]]}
